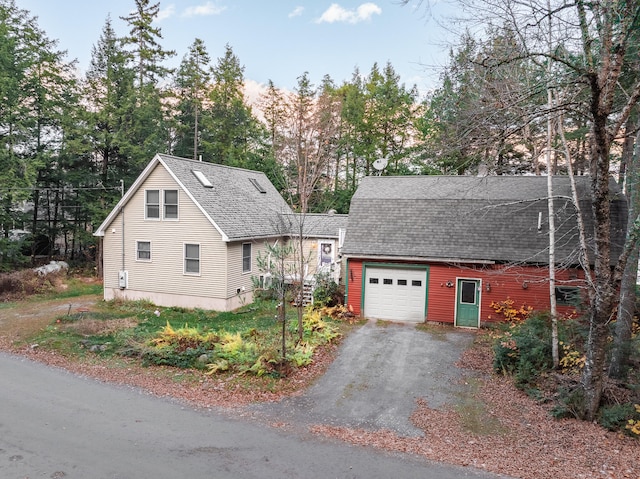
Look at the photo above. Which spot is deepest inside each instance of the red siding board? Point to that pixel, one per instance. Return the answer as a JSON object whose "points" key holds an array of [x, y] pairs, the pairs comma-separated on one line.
{"points": [[525, 285], [354, 278]]}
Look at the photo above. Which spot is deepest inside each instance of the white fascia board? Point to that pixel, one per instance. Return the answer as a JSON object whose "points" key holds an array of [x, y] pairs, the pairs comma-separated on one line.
{"points": [[130, 192]]}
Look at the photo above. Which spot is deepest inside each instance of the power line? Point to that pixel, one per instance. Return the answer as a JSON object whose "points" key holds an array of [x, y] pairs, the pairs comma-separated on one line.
{"points": [[48, 188]]}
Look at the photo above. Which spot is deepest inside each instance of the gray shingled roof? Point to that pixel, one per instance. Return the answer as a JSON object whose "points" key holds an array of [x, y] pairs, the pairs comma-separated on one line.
{"points": [[457, 218], [234, 203], [318, 225]]}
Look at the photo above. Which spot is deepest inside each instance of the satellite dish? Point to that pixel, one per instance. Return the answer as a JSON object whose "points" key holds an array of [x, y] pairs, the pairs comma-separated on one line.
{"points": [[380, 164]]}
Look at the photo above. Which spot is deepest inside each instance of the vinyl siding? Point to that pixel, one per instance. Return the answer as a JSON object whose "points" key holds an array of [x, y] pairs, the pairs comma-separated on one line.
{"points": [[310, 252], [236, 278], [165, 272]]}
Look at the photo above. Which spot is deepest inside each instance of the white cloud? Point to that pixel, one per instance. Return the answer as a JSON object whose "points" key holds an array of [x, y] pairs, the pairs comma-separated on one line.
{"points": [[203, 10], [253, 91], [166, 13], [296, 12], [336, 13]]}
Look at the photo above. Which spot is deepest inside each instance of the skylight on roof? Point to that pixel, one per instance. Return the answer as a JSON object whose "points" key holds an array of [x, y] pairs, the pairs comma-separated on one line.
{"points": [[202, 179], [258, 186]]}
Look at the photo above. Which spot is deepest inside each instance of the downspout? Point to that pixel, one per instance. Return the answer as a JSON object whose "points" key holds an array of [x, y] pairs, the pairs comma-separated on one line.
{"points": [[346, 282], [122, 218]]}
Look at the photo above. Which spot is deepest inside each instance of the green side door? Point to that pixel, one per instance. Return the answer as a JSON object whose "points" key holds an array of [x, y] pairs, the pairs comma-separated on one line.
{"points": [[468, 303]]}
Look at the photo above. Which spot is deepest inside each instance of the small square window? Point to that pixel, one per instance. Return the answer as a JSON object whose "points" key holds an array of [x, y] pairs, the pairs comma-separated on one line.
{"points": [[246, 257], [567, 296], [152, 204], [143, 250], [402, 282], [373, 281], [171, 204], [192, 258], [416, 282], [387, 281]]}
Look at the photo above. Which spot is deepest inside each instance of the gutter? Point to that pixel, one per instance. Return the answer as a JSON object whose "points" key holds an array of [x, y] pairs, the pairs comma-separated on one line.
{"points": [[420, 259]]}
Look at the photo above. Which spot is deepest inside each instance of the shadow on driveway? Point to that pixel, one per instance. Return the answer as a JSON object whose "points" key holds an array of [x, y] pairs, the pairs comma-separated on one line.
{"points": [[379, 373]]}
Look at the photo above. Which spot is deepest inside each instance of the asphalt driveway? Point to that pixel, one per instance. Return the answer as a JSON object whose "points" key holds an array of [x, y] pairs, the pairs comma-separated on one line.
{"points": [[380, 372]]}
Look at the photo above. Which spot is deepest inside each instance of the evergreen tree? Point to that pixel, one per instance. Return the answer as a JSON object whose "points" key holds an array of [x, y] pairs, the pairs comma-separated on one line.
{"points": [[109, 92], [388, 119], [232, 132], [147, 116], [191, 84], [143, 37]]}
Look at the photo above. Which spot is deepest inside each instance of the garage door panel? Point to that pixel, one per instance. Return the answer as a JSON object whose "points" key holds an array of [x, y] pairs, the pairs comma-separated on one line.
{"points": [[395, 294]]}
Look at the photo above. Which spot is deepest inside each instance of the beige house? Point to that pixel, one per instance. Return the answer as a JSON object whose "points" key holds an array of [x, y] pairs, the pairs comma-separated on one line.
{"points": [[188, 234]]}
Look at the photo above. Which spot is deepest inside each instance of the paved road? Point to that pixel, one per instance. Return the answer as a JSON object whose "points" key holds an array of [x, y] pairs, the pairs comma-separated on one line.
{"points": [[57, 425], [374, 382]]}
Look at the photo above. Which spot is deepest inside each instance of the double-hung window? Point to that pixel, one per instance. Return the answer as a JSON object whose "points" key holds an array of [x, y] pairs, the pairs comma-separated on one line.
{"points": [[191, 258], [246, 257], [170, 204], [143, 250], [152, 204]]}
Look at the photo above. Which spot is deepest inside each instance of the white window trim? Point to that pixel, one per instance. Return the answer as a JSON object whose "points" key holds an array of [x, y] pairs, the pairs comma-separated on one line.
{"points": [[146, 204], [164, 205], [184, 260], [137, 251], [250, 258]]}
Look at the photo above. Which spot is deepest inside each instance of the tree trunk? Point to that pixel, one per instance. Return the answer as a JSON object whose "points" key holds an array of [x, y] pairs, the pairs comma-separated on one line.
{"points": [[553, 310], [624, 322], [601, 310]]}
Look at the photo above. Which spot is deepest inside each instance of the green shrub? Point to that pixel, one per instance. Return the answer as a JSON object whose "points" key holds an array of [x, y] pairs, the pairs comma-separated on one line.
{"points": [[616, 417], [570, 403], [327, 291], [524, 350], [171, 356]]}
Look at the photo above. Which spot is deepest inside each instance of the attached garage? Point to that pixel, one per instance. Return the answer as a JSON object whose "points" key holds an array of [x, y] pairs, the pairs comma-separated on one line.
{"points": [[395, 293]]}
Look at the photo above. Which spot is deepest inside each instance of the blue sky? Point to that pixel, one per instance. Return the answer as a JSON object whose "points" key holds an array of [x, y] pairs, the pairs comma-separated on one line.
{"points": [[275, 40]]}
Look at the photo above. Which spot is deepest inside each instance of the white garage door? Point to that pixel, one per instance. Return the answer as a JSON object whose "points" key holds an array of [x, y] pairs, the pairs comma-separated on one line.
{"points": [[395, 294]]}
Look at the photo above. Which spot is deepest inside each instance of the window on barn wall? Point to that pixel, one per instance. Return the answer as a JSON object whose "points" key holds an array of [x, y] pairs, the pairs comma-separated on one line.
{"points": [[567, 296]]}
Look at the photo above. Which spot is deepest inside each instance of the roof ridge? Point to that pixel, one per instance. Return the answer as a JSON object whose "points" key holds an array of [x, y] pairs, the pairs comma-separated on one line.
{"points": [[217, 165]]}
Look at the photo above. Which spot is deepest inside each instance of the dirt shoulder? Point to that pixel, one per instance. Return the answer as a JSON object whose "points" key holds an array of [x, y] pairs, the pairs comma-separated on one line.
{"points": [[19, 320]]}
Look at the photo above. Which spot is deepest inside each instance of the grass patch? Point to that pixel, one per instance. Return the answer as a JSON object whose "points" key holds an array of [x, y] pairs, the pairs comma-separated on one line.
{"points": [[437, 331], [473, 413], [248, 340]]}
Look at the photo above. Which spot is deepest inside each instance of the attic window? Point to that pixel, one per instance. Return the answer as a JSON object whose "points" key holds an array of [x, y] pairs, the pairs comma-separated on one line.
{"points": [[202, 179], [258, 186]]}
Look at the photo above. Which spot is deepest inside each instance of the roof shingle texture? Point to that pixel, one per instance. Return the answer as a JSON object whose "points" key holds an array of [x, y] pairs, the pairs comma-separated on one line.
{"points": [[233, 203], [318, 225], [457, 218]]}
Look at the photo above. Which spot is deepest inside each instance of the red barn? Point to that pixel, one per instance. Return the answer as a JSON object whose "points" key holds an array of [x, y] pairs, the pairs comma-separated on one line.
{"points": [[445, 248]]}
